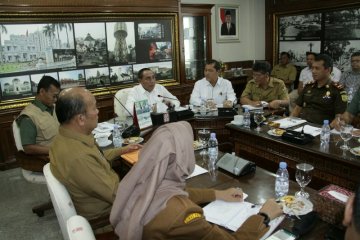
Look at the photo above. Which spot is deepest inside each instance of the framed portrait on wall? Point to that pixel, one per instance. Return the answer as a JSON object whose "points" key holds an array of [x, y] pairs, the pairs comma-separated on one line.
{"points": [[227, 23]]}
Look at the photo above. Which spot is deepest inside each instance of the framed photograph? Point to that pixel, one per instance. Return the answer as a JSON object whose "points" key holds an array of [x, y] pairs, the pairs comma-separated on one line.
{"points": [[142, 110], [227, 23]]}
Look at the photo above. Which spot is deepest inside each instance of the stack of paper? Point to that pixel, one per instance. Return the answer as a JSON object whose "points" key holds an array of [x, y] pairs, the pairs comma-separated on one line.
{"points": [[232, 215], [252, 107], [314, 131], [131, 157], [103, 127], [197, 171], [289, 122]]}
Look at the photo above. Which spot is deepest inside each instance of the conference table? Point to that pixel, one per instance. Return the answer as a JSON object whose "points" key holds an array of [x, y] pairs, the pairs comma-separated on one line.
{"points": [[331, 164], [260, 186]]}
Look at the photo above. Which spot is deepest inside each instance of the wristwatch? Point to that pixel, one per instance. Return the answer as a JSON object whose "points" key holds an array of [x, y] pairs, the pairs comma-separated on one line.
{"points": [[266, 218]]}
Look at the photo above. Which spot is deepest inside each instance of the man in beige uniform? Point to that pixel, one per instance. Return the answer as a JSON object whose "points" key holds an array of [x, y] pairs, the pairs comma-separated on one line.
{"points": [[264, 88], [285, 70], [76, 160]]}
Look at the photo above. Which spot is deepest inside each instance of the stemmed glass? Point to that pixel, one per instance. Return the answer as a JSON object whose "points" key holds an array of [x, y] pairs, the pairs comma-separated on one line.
{"points": [[345, 134], [303, 177], [258, 118], [204, 136]]}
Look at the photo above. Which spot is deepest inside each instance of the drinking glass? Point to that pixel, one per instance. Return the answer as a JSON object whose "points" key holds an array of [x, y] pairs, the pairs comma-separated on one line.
{"points": [[258, 118], [204, 136], [345, 134], [303, 177]]}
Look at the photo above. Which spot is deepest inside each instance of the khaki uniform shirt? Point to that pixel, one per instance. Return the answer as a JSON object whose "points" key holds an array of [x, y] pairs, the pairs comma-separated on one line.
{"points": [[319, 104], [77, 162], [275, 90], [285, 73], [182, 218], [38, 124]]}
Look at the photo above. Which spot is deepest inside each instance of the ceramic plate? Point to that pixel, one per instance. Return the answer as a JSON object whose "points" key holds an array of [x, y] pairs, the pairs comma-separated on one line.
{"points": [[104, 144], [274, 132], [296, 206], [133, 140], [355, 151]]}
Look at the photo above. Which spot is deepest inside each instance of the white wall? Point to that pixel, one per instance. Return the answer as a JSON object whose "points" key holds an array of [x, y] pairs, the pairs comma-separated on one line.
{"points": [[251, 30]]}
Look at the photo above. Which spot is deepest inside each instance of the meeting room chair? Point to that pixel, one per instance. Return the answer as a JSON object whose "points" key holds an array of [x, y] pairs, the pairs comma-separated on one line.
{"points": [[27, 168], [79, 228], [122, 96], [60, 197]]}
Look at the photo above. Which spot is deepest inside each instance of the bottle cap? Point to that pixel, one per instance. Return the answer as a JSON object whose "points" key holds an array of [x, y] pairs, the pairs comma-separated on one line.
{"points": [[283, 165], [246, 110], [326, 122], [212, 135]]}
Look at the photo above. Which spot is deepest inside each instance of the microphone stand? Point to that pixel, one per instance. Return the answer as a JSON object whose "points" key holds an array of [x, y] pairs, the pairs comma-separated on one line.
{"points": [[131, 131]]}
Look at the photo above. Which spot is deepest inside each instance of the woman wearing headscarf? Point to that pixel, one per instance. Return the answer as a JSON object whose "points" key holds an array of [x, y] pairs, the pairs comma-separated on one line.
{"points": [[152, 202]]}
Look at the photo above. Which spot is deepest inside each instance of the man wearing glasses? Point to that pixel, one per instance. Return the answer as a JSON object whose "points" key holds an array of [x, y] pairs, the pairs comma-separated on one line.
{"points": [[264, 88], [38, 122]]}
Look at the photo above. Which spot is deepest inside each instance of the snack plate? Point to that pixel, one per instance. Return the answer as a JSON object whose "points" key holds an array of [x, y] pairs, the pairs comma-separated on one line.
{"points": [[296, 206], [273, 133], [355, 151], [131, 140]]}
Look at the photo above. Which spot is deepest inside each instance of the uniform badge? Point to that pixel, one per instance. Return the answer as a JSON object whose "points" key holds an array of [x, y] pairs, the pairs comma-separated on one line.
{"points": [[327, 86], [327, 95], [309, 91], [344, 97], [191, 217], [304, 104]]}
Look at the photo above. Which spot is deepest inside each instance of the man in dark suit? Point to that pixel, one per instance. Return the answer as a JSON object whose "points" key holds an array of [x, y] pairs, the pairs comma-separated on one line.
{"points": [[228, 28]]}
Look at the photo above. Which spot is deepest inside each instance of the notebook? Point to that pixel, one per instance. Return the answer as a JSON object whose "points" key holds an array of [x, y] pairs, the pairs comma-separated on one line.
{"points": [[131, 157]]}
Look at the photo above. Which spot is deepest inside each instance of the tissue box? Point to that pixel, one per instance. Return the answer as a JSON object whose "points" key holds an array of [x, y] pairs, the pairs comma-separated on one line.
{"points": [[331, 201]]}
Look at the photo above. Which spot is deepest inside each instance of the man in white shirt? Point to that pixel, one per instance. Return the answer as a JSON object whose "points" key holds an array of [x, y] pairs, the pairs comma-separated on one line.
{"points": [[157, 95], [213, 87]]}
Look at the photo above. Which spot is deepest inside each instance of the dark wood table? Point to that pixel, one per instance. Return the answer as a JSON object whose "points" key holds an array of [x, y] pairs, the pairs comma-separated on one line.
{"points": [[260, 187], [332, 165]]}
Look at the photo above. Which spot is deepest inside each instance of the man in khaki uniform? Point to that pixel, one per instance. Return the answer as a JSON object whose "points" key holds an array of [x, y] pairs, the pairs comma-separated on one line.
{"points": [[322, 99], [264, 88], [77, 161], [285, 70], [38, 122]]}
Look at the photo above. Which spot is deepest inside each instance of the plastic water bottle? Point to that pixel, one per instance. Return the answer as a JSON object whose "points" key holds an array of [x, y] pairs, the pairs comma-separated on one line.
{"points": [[213, 148], [213, 155], [117, 139], [325, 133], [247, 120], [282, 181]]}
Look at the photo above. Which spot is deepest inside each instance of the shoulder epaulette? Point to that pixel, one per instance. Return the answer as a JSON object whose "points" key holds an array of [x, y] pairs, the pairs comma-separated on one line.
{"points": [[310, 83], [337, 85]]}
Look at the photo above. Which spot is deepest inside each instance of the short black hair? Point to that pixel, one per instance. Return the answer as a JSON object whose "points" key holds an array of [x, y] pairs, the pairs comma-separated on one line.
{"points": [[141, 72], [285, 53], [355, 54], [227, 12], [45, 83], [217, 65], [328, 62], [262, 66], [356, 209], [68, 106], [311, 53]]}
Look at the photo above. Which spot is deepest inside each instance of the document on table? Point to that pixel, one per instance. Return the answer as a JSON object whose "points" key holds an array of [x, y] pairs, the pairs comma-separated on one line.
{"points": [[314, 131], [232, 215], [289, 122], [197, 171], [252, 107]]}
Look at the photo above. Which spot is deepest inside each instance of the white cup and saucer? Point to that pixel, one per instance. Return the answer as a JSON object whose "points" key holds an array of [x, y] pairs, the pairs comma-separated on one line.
{"points": [[238, 120], [103, 141]]}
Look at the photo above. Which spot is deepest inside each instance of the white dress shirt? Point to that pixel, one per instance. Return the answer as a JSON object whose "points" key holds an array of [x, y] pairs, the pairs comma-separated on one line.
{"points": [[203, 90], [138, 93], [306, 75]]}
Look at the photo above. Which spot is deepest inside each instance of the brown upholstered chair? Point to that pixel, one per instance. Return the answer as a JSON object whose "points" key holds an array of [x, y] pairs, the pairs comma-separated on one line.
{"points": [[32, 168]]}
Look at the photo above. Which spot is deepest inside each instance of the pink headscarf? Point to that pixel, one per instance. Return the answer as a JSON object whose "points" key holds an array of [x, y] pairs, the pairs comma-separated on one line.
{"points": [[164, 163]]}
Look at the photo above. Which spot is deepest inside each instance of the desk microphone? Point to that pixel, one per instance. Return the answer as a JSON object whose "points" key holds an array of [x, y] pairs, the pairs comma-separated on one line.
{"points": [[131, 131], [168, 98]]}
